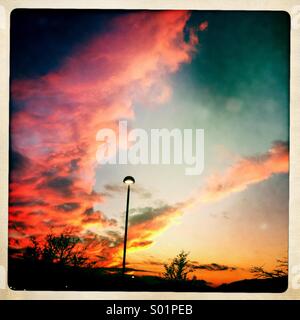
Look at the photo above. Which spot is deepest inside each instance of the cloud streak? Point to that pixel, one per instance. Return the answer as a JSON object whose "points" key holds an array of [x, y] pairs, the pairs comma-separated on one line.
{"points": [[246, 172], [111, 189], [214, 267]]}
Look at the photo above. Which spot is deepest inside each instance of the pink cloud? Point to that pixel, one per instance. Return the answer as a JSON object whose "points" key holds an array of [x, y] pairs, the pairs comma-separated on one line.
{"points": [[100, 82], [203, 26], [247, 171]]}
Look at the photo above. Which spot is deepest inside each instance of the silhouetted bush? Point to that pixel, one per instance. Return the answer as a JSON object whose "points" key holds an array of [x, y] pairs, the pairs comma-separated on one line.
{"points": [[179, 268]]}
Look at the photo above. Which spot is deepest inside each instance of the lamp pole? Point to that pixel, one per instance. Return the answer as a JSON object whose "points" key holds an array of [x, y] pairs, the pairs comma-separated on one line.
{"points": [[127, 180]]}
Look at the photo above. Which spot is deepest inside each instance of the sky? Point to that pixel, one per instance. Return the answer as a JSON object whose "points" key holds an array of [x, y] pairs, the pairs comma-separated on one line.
{"points": [[75, 72]]}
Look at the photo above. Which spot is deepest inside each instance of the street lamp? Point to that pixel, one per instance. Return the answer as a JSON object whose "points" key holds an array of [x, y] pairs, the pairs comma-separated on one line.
{"points": [[127, 180]]}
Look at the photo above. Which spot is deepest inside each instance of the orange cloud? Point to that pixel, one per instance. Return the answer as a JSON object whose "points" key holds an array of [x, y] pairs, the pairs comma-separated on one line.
{"points": [[144, 226], [247, 171], [149, 222], [54, 127]]}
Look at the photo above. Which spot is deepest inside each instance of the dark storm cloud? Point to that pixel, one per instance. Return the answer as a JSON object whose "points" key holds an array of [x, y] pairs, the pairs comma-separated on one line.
{"points": [[53, 223], [214, 267], [115, 234], [15, 213], [110, 189], [18, 225], [50, 172], [114, 188], [28, 203], [68, 206], [149, 213], [92, 216], [62, 185], [18, 161], [111, 241], [118, 269], [74, 165], [89, 211], [36, 213]]}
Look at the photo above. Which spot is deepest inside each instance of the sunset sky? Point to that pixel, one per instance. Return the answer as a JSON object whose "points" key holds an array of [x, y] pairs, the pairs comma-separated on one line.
{"points": [[75, 72]]}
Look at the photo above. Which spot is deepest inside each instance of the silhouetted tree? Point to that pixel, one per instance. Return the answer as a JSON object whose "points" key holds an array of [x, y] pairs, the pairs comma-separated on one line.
{"points": [[61, 250], [281, 270], [179, 268], [33, 253]]}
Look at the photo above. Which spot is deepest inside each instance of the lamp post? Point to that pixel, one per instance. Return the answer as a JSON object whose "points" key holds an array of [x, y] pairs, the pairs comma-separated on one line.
{"points": [[127, 180]]}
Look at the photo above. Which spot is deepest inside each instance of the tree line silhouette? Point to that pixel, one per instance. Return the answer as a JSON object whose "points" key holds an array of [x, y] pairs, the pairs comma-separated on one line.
{"points": [[59, 261]]}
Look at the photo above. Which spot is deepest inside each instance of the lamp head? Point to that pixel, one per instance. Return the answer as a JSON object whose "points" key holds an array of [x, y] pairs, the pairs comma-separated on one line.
{"points": [[129, 180]]}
